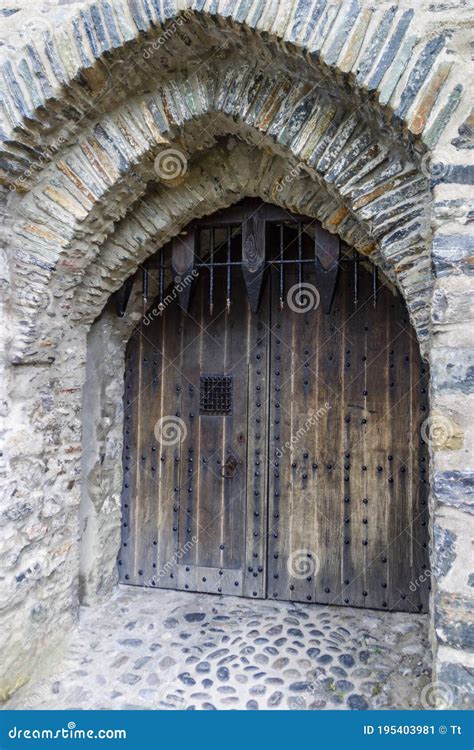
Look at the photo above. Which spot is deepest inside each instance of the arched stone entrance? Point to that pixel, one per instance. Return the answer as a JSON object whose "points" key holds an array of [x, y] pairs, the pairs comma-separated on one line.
{"points": [[345, 113]]}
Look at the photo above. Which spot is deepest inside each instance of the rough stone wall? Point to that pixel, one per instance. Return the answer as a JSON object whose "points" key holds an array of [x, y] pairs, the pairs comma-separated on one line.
{"points": [[101, 471], [365, 102], [39, 521]]}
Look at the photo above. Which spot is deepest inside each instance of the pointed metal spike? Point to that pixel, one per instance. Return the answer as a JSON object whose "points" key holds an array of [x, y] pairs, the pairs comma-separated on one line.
{"points": [[122, 296], [183, 253], [253, 257], [326, 260]]}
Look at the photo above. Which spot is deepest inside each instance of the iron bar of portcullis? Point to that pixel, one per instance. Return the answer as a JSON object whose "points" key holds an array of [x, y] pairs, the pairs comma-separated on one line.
{"points": [[374, 284], [300, 254], [229, 268], [282, 268], [355, 260], [211, 270], [162, 277], [144, 288]]}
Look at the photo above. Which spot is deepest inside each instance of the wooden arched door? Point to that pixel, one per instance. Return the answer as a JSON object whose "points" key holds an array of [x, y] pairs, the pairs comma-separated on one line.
{"points": [[278, 452]]}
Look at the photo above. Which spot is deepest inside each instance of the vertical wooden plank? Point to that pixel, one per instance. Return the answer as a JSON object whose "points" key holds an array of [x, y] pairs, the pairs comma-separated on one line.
{"points": [[304, 485], [258, 466], [189, 465], [149, 494], [355, 421], [163, 430], [215, 515], [377, 439], [398, 480], [210, 508], [129, 495], [239, 322], [278, 582], [408, 549], [329, 455], [190, 533]]}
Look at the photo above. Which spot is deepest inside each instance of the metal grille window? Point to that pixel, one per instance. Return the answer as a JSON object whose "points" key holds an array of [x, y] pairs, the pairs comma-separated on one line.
{"points": [[215, 395]]}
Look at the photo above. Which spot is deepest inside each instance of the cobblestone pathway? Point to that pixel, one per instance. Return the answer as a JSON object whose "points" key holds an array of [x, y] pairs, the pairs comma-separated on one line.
{"points": [[148, 649]]}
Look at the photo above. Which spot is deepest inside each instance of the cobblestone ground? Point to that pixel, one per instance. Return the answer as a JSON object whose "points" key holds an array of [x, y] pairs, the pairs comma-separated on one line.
{"points": [[148, 649]]}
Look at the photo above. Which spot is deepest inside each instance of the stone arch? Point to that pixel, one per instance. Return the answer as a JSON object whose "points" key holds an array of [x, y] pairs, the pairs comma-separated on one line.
{"points": [[365, 175], [372, 52], [77, 177]]}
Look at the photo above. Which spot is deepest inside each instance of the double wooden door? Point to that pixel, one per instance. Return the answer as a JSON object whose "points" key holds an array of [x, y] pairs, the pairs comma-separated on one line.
{"points": [[278, 453]]}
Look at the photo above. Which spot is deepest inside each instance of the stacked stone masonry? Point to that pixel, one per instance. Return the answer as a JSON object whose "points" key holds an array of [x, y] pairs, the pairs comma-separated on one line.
{"points": [[354, 113]]}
